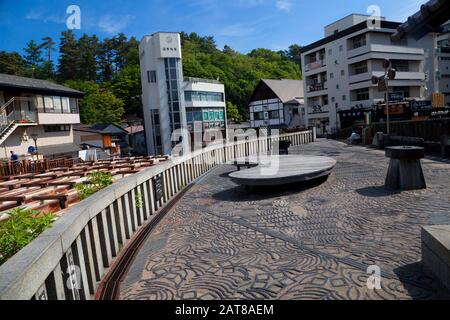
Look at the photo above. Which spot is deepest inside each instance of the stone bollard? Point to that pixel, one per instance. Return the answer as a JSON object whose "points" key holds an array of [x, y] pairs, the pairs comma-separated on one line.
{"points": [[405, 170]]}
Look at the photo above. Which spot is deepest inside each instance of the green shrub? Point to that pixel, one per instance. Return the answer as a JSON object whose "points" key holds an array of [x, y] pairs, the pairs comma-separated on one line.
{"points": [[96, 181], [22, 227], [139, 200]]}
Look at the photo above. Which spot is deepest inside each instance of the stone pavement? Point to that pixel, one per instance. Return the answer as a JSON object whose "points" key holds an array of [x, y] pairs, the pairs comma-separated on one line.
{"points": [[315, 242]]}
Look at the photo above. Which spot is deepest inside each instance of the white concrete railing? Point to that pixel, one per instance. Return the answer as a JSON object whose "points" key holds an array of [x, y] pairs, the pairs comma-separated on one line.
{"points": [[69, 260]]}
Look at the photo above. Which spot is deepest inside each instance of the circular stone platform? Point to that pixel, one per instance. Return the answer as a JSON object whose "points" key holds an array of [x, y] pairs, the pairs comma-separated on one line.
{"points": [[289, 169]]}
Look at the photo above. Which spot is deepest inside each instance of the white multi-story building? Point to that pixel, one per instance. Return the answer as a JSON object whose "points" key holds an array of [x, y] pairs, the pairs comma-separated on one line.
{"points": [[276, 103], [337, 69], [37, 113], [443, 43], [170, 101]]}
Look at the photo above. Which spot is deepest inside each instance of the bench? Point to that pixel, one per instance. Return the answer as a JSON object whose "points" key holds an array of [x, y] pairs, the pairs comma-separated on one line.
{"points": [[280, 170], [62, 198]]}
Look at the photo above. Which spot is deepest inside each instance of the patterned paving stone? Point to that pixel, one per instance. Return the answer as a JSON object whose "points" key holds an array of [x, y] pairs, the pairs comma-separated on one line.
{"points": [[296, 242]]}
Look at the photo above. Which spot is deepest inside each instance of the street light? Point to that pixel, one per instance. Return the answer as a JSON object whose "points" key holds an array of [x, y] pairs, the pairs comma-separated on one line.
{"points": [[383, 85], [34, 136]]}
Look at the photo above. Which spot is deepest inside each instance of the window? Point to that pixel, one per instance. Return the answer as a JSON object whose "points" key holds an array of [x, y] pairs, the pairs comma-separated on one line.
{"points": [[259, 116], [341, 48], [362, 94], [330, 52], [359, 41], [333, 99], [404, 90], [401, 42], [325, 100], [400, 65], [57, 128], [57, 104], [40, 103], [344, 97], [48, 103], [65, 105], [274, 114], [342, 72], [198, 116], [151, 76], [360, 67], [73, 105], [189, 117], [205, 116], [176, 117], [332, 75], [203, 96]]}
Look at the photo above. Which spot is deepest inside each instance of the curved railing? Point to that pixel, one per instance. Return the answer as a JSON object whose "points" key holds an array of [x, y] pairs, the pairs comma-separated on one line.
{"points": [[69, 260]]}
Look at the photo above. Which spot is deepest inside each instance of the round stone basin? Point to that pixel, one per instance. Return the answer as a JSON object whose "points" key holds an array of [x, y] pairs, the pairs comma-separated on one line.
{"points": [[405, 153], [284, 169]]}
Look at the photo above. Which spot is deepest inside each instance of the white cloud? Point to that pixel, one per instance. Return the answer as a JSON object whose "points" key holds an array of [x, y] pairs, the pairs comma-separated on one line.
{"points": [[41, 15], [33, 15], [251, 3], [284, 5], [110, 24], [237, 30]]}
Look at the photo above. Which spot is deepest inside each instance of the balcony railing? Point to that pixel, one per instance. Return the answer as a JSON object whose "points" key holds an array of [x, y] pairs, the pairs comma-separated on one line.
{"points": [[315, 65], [317, 87], [69, 260]]}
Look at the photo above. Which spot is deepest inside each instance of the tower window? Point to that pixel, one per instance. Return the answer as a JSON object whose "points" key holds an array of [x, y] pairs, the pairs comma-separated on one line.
{"points": [[151, 76]]}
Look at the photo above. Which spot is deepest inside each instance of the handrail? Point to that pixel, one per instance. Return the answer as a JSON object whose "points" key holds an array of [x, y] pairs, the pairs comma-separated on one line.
{"points": [[69, 260]]}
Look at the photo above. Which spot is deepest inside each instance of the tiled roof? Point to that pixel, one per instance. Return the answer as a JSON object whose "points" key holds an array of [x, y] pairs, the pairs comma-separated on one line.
{"points": [[10, 81], [429, 18], [286, 89]]}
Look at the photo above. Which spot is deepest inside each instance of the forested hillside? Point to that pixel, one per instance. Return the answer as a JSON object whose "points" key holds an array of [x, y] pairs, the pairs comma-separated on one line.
{"points": [[108, 70]]}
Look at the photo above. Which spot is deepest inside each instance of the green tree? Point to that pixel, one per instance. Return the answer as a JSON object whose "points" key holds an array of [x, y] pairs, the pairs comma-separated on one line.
{"points": [[99, 105], [12, 63], [127, 86], [69, 62], [48, 67], [88, 47], [233, 112], [33, 57], [106, 60]]}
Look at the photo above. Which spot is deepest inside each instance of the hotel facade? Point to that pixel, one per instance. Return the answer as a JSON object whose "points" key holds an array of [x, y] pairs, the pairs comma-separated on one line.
{"points": [[338, 69], [172, 102]]}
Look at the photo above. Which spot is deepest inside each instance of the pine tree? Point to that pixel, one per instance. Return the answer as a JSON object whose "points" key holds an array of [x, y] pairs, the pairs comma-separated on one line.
{"points": [[88, 50], [69, 62], [33, 57], [48, 67]]}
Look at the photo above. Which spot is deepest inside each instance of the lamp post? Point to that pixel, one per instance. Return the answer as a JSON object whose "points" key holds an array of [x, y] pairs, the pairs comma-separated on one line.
{"points": [[34, 136], [383, 85]]}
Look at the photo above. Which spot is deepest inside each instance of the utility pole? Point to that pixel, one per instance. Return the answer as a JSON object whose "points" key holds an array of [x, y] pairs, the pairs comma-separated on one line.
{"points": [[383, 85]]}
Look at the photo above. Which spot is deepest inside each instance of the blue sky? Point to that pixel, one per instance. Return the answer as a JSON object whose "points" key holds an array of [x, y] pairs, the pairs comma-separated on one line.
{"points": [[242, 24]]}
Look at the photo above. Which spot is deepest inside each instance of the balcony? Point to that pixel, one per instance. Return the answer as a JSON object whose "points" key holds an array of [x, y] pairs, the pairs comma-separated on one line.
{"points": [[317, 87], [315, 65], [382, 48], [319, 111], [367, 76]]}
